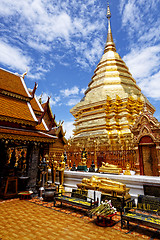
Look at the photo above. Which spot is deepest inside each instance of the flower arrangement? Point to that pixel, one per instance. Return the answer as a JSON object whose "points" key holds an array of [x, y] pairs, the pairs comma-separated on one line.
{"points": [[104, 209]]}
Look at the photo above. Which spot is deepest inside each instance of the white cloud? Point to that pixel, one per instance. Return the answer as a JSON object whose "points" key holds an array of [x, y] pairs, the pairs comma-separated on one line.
{"points": [[82, 62], [93, 54], [35, 76], [73, 101], [143, 62], [74, 94], [53, 100], [38, 46], [13, 57], [142, 24], [83, 90], [48, 25], [138, 17], [53, 27], [144, 66], [122, 4], [68, 127], [131, 15], [151, 86], [68, 92]]}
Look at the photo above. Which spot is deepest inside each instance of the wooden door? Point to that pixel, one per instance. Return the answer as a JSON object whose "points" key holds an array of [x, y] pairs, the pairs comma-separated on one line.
{"points": [[149, 160]]}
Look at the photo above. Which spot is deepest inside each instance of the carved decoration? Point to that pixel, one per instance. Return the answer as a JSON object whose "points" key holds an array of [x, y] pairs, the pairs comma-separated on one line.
{"points": [[146, 124], [146, 132]]}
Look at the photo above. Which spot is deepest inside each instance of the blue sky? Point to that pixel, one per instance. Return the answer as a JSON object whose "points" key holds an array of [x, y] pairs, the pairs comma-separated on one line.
{"points": [[61, 42]]}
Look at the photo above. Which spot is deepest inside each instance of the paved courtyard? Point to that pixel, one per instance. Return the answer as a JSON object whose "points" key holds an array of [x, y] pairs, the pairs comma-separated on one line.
{"points": [[29, 220]]}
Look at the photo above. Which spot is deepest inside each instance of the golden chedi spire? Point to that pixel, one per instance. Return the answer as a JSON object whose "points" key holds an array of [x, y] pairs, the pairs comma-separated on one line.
{"points": [[112, 101], [110, 45]]}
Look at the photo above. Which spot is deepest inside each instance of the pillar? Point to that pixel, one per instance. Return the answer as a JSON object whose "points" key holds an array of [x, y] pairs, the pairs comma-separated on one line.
{"points": [[33, 161]]}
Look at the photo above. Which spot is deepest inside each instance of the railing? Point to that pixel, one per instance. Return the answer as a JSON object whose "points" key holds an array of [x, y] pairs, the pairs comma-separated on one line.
{"points": [[119, 158]]}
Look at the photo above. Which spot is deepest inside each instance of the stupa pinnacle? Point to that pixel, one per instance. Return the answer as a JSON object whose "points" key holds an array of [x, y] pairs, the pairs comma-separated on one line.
{"points": [[112, 101], [110, 43]]}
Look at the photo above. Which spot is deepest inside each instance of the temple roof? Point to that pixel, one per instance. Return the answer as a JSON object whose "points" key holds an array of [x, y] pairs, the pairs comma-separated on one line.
{"points": [[20, 111], [55, 129], [15, 110], [48, 109], [36, 105], [42, 126], [25, 135], [48, 116], [13, 84], [151, 120]]}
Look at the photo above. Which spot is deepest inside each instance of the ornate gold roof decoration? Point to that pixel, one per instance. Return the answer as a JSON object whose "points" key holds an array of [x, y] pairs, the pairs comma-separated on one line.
{"points": [[23, 75], [40, 98]]}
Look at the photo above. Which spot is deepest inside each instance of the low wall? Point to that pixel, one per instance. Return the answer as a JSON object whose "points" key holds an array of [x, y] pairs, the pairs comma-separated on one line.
{"points": [[134, 182]]}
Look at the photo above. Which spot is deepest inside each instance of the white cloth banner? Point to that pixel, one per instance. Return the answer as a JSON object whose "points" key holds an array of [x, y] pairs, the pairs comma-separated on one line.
{"points": [[97, 196], [90, 195]]}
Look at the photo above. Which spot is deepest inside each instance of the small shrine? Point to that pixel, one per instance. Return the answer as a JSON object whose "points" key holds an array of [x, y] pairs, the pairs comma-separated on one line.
{"points": [[146, 132]]}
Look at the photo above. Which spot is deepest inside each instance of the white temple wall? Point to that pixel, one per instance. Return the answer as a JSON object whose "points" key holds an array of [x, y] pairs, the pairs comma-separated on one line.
{"points": [[134, 182]]}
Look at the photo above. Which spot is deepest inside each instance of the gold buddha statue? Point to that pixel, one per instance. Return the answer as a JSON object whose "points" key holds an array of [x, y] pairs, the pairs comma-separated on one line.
{"points": [[61, 173], [127, 171], [104, 185], [83, 160], [110, 168]]}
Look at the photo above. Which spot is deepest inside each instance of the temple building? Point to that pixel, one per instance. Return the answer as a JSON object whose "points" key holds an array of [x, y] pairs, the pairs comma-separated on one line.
{"points": [[105, 116], [55, 129], [25, 134], [112, 101]]}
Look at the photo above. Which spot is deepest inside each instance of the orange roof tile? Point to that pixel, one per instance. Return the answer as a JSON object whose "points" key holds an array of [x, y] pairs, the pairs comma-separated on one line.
{"points": [[15, 110], [35, 106], [25, 135], [48, 109], [12, 83], [40, 127]]}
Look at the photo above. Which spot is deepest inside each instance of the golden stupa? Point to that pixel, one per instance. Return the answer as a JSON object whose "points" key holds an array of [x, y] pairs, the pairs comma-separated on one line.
{"points": [[112, 101]]}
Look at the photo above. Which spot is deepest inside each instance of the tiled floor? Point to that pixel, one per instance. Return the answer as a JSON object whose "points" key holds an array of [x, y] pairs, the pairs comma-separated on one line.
{"points": [[35, 219]]}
